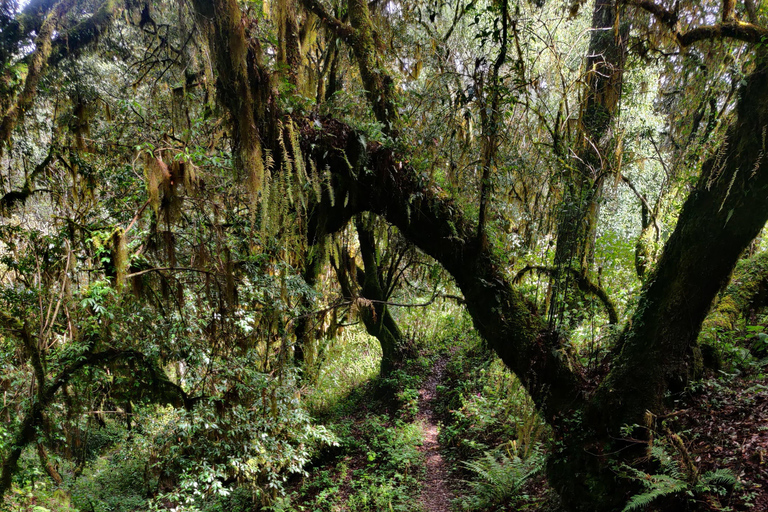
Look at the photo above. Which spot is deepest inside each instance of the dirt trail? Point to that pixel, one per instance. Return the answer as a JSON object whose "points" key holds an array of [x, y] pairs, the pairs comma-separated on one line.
{"points": [[436, 495]]}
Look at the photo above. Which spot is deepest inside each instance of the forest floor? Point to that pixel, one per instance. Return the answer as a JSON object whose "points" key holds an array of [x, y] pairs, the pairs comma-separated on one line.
{"points": [[388, 456], [404, 441], [436, 494], [726, 424]]}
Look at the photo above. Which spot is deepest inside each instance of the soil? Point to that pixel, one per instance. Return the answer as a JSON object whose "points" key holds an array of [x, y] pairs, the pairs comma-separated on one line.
{"points": [[436, 494], [727, 428]]}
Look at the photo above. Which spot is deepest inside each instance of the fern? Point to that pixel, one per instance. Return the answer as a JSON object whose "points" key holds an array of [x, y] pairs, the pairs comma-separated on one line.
{"points": [[721, 477], [328, 184], [266, 206], [657, 486], [317, 182], [301, 169], [672, 481], [499, 478], [668, 465]]}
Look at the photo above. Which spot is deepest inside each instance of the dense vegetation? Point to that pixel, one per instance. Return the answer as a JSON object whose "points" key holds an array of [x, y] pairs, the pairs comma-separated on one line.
{"points": [[252, 252]]}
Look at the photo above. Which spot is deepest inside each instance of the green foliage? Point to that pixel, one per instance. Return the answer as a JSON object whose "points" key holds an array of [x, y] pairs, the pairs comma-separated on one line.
{"points": [[409, 400], [117, 483], [378, 463], [485, 405], [141, 161], [672, 481], [258, 440], [344, 363], [499, 478], [743, 349], [38, 497], [375, 493], [389, 461]]}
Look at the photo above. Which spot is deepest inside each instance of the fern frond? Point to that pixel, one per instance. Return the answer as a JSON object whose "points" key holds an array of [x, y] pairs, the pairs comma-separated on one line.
{"points": [[642, 501], [301, 171], [724, 477], [316, 180], [499, 478], [657, 486], [328, 184], [266, 202]]}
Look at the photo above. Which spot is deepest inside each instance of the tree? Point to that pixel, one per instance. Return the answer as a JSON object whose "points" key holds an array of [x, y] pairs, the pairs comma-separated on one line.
{"points": [[656, 352], [374, 283]]}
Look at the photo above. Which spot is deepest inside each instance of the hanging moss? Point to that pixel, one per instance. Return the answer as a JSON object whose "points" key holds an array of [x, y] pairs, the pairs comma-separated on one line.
{"points": [[119, 253]]}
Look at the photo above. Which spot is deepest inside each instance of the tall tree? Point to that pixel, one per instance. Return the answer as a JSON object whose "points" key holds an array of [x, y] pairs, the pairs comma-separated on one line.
{"points": [[591, 159], [656, 352]]}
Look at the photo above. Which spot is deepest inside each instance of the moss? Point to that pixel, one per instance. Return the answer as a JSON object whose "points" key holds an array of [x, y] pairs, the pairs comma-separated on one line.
{"points": [[746, 292]]}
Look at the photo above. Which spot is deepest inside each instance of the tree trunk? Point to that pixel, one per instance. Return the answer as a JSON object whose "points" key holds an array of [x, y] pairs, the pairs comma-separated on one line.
{"points": [[658, 353], [46, 463], [376, 317], [593, 152]]}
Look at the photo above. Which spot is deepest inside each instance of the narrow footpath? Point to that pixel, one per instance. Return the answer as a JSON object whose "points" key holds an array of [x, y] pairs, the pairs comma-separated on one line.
{"points": [[436, 495]]}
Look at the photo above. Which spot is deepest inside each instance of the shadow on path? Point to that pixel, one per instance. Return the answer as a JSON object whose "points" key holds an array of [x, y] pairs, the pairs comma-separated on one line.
{"points": [[436, 495]]}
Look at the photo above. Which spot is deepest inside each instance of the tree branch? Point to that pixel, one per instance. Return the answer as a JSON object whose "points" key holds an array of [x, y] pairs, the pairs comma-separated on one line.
{"points": [[338, 27], [10, 199], [729, 28], [737, 30], [584, 284], [84, 33]]}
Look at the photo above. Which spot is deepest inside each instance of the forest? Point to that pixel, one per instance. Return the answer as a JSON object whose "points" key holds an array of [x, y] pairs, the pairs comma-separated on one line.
{"points": [[383, 255]]}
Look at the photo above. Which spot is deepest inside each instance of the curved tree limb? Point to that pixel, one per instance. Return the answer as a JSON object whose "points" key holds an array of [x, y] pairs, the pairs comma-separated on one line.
{"points": [[729, 28], [27, 430], [583, 283], [51, 46], [18, 30], [649, 217]]}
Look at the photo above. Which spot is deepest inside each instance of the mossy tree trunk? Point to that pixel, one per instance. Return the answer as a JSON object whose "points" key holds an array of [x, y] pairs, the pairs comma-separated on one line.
{"points": [[656, 353], [370, 284], [378, 319], [593, 153]]}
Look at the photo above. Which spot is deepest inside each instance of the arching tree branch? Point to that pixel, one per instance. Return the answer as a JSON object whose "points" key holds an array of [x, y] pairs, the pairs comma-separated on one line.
{"points": [[729, 28], [159, 384], [582, 282]]}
